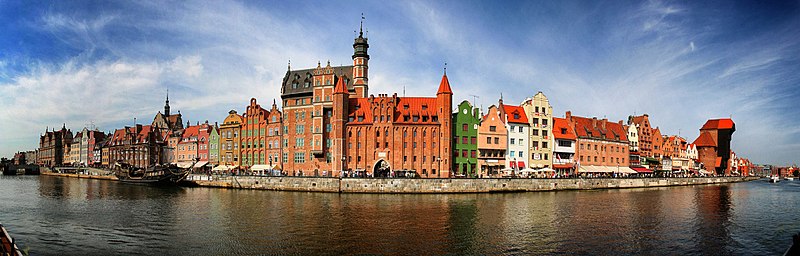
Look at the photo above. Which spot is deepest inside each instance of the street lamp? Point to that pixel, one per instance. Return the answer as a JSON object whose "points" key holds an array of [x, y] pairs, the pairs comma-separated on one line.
{"points": [[341, 173]]}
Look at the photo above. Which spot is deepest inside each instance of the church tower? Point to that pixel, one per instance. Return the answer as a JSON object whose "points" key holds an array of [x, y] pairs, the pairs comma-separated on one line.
{"points": [[360, 63], [340, 110], [166, 106], [444, 100]]}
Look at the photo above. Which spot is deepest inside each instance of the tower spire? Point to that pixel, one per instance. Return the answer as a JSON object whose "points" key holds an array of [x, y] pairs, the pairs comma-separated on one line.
{"points": [[166, 105], [361, 29]]}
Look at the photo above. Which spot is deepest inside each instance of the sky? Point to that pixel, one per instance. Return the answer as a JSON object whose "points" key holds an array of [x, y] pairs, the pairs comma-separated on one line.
{"points": [[104, 63]]}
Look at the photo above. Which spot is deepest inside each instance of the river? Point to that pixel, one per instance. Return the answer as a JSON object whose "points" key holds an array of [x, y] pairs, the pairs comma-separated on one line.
{"points": [[68, 216]]}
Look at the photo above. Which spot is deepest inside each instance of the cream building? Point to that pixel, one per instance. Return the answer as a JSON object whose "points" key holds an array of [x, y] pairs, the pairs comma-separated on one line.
{"points": [[540, 139]]}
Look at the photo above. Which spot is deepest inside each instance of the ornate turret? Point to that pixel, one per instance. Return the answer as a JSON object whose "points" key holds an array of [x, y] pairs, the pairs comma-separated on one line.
{"points": [[360, 63]]}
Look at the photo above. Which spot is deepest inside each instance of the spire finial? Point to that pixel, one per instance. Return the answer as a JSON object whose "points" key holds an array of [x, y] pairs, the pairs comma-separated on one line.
{"points": [[167, 95], [445, 68], [361, 29], [290, 65]]}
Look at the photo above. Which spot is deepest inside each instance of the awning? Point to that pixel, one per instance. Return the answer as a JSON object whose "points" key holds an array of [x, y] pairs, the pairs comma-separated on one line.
{"points": [[703, 171], [545, 170], [184, 164], [513, 164], [641, 170], [521, 165], [593, 169], [221, 167], [200, 164], [562, 166], [625, 169], [260, 167]]}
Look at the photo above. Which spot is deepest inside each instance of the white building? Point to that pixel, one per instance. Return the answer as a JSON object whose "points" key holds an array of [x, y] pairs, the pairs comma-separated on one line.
{"points": [[540, 139], [518, 135]]}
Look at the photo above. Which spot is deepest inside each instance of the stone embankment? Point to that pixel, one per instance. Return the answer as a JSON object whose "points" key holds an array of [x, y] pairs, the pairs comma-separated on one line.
{"points": [[358, 185]]}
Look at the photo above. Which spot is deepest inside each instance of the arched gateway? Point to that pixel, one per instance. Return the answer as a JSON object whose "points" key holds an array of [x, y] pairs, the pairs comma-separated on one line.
{"points": [[381, 169]]}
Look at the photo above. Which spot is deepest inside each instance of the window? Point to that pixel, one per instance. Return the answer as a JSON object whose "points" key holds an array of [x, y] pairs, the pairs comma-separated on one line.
{"points": [[488, 140], [464, 127], [544, 144], [496, 140], [544, 133], [544, 121], [521, 142], [463, 153], [520, 129], [474, 140], [520, 153], [492, 128], [535, 132], [464, 140], [513, 141], [563, 130], [511, 153]]}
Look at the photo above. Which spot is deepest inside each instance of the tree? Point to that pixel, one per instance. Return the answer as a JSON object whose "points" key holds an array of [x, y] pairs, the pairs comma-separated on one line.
{"points": [[796, 173]]}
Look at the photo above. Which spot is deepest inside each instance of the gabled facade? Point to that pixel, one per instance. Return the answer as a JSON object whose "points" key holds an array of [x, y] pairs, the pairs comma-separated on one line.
{"points": [[600, 144], [229, 140], [540, 140], [54, 147], [465, 143], [492, 143], [213, 145], [516, 122], [564, 148]]}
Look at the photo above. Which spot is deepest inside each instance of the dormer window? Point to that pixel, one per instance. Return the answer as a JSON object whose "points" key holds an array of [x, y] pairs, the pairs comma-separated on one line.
{"points": [[308, 75], [405, 106], [296, 76], [516, 116], [294, 85], [424, 107], [563, 130]]}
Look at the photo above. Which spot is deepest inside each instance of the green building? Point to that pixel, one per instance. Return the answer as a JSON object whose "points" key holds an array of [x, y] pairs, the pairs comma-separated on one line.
{"points": [[465, 140], [213, 144]]}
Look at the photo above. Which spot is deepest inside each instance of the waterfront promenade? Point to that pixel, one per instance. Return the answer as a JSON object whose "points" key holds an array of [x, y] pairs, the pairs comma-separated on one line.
{"points": [[429, 186]]}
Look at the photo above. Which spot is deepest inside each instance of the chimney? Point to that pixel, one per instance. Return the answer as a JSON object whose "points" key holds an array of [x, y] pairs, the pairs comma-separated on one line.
{"points": [[620, 122], [568, 116], [594, 122], [605, 120]]}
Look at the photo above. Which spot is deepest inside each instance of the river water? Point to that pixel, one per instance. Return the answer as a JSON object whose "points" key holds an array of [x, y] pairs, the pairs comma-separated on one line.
{"points": [[68, 216]]}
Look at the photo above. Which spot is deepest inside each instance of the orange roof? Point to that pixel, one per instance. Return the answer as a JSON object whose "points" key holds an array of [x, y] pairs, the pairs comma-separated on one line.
{"points": [[719, 162], [560, 124], [340, 87], [406, 106], [585, 128], [521, 118], [444, 86], [719, 124], [191, 131], [705, 140]]}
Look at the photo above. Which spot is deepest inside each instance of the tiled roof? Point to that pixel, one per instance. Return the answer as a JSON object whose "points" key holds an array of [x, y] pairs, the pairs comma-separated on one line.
{"points": [[705, 140], [511, 110], [560, 124], [613, 131], [723, 123], [340, 87], [406, 106], [300, 77], [444, 86]]}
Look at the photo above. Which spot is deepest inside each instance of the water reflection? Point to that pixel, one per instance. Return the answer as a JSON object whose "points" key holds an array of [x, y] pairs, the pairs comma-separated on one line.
{"points": [[73, 216]]}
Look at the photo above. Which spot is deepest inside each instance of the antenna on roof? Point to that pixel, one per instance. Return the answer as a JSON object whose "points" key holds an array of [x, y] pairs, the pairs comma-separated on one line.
{"points": [[404, 90], [445, 68]]}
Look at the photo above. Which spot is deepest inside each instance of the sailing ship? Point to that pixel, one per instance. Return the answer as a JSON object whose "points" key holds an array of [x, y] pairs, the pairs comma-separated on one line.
{"points": [[156, 174]]}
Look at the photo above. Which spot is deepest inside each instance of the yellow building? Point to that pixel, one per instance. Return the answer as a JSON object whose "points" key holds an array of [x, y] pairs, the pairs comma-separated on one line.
{"points": [[229, 141]]}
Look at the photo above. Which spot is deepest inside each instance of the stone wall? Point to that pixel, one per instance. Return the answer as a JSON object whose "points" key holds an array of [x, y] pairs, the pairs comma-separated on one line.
{"points": [[356, 185]]}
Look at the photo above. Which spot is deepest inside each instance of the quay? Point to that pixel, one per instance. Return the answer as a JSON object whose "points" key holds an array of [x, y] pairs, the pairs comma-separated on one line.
{"points": [[456, 185], [424, 186]]}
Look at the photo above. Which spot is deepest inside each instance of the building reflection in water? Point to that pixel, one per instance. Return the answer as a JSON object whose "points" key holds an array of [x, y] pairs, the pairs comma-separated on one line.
{"points": [[713, 205]]}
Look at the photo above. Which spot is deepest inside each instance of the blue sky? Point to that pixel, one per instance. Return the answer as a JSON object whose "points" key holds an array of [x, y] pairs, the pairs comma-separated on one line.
{"points": [[107, 62]]}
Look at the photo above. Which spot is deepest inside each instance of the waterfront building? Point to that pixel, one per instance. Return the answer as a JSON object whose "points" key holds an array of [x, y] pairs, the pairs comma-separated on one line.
{"points": [[229, 141], [99, 150], [32, 156], [75, 150], [83, 145], [465, 143], [516, 122], [54, 147], [714, 144], [19, 158], [644, 134], [274, 137], [105, 152], [492, 143], [193, 145], [540, 119], [141, 146], [634, 158], [564, 147], [602, 145], [171, 150], [326, 108], [658, 144], [213, 145], [254, 137]]}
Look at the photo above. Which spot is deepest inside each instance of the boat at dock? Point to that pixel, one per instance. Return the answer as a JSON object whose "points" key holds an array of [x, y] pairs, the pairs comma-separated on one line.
{"points": [[157, 174], [7, 244], [789, 178], [774, 179]]}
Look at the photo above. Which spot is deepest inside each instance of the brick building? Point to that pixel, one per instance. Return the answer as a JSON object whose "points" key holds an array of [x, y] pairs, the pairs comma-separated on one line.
{"points": [[326, 108], [141, 146], [602, 145], [645, 134], [260, 136], [714, 145], [193, 144], [54, 147], [465, 140], [492, 143]]}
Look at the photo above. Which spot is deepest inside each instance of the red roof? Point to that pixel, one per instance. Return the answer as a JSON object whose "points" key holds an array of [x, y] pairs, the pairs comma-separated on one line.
{"points": [[705, 140], [719, 162], [406, 106], [444, 86], [521, 118], [561, 124], [719, 124], [641, 170], [340, 87], [584, 127]]}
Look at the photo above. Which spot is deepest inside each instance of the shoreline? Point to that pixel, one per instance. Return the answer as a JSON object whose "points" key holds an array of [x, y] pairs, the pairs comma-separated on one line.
{"points": [[428, 186]]}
